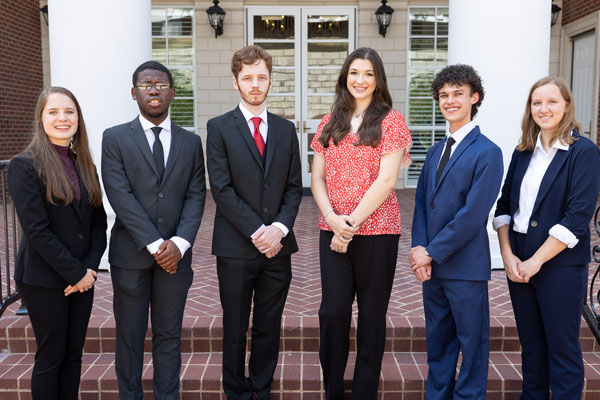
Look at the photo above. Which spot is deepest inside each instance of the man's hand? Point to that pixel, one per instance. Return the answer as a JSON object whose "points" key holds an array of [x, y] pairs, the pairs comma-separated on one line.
{"points": [[85, 284], [167, 256], [418, 257], [268, 240], [423, 273]]}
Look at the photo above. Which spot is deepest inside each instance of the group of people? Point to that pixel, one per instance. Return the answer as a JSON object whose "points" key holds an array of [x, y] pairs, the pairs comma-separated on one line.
{"points": [[154, 178]]}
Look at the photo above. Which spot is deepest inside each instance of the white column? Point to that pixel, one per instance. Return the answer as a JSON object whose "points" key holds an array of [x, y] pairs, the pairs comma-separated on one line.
{"points": [[94, 48], [508, 43]]}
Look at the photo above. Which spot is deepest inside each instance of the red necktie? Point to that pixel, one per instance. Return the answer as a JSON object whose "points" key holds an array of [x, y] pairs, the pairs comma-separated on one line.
{"points": [[258, 139]]}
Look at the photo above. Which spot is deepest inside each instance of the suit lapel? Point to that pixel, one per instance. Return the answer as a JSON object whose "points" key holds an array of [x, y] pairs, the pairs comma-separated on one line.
{"points": [[272, 140], [244, 131], [462, 146], [553, 169], [139, 137], [176, 141]]}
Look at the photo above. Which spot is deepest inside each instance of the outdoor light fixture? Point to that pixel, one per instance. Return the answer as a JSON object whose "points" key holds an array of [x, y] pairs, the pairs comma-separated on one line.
{"points": [[384, 17], [555, 11], [44, 11], [216, 15]]}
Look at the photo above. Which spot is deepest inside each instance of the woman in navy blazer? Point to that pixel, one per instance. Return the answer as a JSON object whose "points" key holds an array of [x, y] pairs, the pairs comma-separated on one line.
{"points": [[55, 190], [542, 219]]}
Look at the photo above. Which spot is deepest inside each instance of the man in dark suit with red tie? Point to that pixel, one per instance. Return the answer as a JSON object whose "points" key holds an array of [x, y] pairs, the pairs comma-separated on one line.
{"points": [[254, 170]]}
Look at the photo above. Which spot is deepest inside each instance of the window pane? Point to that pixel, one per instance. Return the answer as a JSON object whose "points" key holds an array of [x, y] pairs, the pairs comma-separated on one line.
{"points": [[182, 112], [327, 54], [181, 51], [180, 22], [422, 21], [309, 141], [322, 80], [439, 118], [159, 50], [413, 171], [310, 160], [442, 21], [273, 27], [421, 51], [420, 111], [284, 106], [283, 81], [183, 80], [419, 84], [158, 22], [328, 27], [282, 53], [441, 54], [318, 106], [422, 141]]}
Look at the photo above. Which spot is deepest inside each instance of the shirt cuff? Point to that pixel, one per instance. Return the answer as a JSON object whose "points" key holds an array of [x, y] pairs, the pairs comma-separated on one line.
{"points": [[283, 228], [500, 220], [259, 228], [154, 246], [182, 244], [559, 232]]}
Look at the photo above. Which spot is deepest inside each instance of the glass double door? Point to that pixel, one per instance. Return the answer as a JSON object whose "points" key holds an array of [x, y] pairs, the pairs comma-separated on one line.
{"points": [[309, 46]]}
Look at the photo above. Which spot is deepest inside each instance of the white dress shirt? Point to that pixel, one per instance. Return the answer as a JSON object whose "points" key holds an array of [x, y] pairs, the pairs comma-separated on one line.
{"points": [[263, 128], [458, 136], [165, 138], [530, 186]]}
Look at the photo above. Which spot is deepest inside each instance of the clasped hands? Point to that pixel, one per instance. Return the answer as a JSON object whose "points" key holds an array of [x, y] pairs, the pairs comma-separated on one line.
{"points": [[520, 271], [344, 228], [267, 240], [168, 256], [84, 284], [420, 262]]}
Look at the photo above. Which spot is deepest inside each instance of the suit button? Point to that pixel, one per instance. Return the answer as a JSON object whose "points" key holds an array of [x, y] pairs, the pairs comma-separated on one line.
{"points": [[80, 236], [533, 224], [160, 220], [265, 209], [266, 185], [432, 205], [160, 195]]}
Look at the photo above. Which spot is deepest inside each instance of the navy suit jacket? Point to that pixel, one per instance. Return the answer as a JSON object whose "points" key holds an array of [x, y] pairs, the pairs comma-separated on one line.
{"points": [[450, 218], [567, 196]]}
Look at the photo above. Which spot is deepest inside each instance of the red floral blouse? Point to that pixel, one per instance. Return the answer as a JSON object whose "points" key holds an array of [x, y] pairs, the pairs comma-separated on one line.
{"points": [[350, 170]]}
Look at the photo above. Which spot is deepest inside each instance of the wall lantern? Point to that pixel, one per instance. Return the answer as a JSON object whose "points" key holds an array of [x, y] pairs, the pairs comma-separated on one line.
{"points": [[555, 12], [44, 11], [216, 15], [384, 17]]}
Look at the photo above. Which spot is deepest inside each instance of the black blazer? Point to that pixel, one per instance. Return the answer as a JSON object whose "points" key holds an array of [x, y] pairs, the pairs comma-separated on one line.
{"points": [[246, 192], [59, 242], [146, 207], [567, 196]]}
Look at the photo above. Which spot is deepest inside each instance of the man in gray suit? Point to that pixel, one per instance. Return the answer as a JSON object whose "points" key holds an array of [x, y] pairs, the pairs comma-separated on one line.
{"points": [[153, 173]]}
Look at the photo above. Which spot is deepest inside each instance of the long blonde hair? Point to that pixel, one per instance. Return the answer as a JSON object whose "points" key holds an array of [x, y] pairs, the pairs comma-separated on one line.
{"points": [[47, 162], [568, 123]]}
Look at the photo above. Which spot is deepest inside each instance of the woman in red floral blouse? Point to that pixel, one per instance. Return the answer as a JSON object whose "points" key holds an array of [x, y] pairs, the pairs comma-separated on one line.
{"points": [[359, 149]]}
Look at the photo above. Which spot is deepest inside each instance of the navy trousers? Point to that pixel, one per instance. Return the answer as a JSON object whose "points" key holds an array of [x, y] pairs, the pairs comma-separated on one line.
{"points": [[457, 318]]}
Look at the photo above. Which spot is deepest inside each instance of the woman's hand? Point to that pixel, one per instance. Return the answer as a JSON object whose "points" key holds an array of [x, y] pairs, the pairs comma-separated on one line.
{"points": [[529, 268], [342, 225], [511, 264], [85, 284], [339, 244]]}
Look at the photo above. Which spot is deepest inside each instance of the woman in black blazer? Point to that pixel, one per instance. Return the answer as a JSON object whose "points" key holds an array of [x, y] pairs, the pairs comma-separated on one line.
{"points": [[542, 219], [55, 190]]}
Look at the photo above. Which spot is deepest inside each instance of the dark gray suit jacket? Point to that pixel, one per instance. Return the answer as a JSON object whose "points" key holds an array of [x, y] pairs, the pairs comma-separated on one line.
{"points": [[147, 208], [248, 193]]}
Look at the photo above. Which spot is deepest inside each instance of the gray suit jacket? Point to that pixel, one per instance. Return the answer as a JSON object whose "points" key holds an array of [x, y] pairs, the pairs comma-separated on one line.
{"points": [[147, 208]]}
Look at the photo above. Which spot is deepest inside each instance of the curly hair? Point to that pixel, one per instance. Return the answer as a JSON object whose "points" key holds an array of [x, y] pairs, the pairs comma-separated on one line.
{"points": [[458, 75]]}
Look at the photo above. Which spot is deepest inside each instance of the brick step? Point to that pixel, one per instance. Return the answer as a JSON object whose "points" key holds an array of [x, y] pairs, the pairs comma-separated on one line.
{"points": [[204, 334], [298, 376]]}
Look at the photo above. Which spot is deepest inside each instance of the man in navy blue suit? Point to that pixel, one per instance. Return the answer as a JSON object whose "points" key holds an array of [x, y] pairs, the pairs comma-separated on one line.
{"points": [[450, 253]]}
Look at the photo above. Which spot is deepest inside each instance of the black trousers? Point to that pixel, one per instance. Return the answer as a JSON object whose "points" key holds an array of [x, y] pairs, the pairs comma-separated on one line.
{"points": [[59, 323], [268, 281], [367, 272], [134, 292]]}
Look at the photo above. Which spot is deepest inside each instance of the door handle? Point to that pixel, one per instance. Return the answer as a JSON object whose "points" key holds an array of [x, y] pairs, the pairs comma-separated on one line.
{"points": [[297, 126]]}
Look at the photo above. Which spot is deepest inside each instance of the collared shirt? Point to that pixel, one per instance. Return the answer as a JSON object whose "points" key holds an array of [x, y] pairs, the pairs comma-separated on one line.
{"points": [[458, 136], [263, 128], [530, 187], [165, 138], [164, 135]]}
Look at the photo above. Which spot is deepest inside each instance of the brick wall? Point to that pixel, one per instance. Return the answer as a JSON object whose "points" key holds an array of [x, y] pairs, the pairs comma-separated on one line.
{"points": [[21, 77], [575, 9]]}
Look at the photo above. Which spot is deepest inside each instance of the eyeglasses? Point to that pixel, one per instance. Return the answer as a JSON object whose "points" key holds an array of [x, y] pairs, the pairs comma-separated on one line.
{"points": [[148, 86]]}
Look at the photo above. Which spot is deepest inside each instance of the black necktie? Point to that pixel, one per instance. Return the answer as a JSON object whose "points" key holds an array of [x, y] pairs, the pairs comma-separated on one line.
{"points": [[157, 151], [445, 157]]}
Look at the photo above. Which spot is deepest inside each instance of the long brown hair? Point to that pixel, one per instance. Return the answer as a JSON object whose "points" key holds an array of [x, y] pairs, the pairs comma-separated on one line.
{"points": [[369, 132], [562, 132], [50, 169]]}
